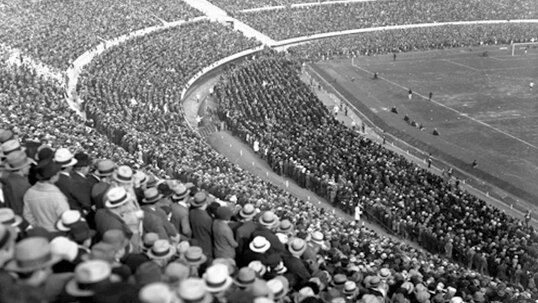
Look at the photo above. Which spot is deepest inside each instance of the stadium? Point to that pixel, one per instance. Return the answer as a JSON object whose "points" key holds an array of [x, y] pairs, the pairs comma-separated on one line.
{"points": [[268, 151]]}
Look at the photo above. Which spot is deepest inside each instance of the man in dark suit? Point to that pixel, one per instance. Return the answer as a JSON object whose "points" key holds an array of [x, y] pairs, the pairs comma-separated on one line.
{"points": [[66, 183], [201, 224], [82, 185], [15, 182]]}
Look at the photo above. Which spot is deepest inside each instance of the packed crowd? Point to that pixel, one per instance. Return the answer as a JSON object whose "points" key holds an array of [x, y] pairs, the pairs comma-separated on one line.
{"points": [[416, 39], [288, 23], [276, 111], [118, 233], [57, 32]]}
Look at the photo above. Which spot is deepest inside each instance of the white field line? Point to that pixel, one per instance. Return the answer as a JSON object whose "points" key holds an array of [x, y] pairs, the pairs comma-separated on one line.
{"points": [[451, 109]]}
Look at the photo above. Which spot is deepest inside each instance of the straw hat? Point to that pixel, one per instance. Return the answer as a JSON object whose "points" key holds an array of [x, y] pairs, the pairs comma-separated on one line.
{"points": [[199, 199], [89, 275], [258, 267], [10, 146], [151, 195], [180, 192], [259, 244], [148, 240], [156, 293], [161, 250], [245, 277], [105, 168], [217, 278], [8, 217], [297, 247], [193, 290], [285, 227], [124, 174], [18, 160], [116, 197], [268, 219], [67, 219], [195, 256], [277, 288], [248, 211], [28, 258], [317, 238], [64, 157]]}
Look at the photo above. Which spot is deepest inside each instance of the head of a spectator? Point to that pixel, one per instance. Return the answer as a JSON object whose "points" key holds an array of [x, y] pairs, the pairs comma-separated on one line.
{"points": [[157, 293], [180, 193], [194, 290], [123, 177], [81, 233], [259, 245], [33, 266], [217, 279], [7, 244], [67, 219], [194, 256], [224, 213], [279, 287], [117, 200], [259, 268], [269, 220], [147, 241], [161, 252], [151, 196], [118, 240], [199, 200], [140, 179], [317, 239], [9, 218], [44, 152], [147, 273], [10, 146], [286, 227], [104, 169], [297, 246], [84, 163], [47, 171], [65, 159], [5, 135], [176, 272], [247, 212], [90, 277], [65, 249], [19, 163], [245, 277]]}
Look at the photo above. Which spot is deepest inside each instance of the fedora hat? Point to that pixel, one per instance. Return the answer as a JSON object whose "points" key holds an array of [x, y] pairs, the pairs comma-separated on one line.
{"points": [[195, 256], [116, 197], [8, 217], [124, 174], [199, 199], [83, 159], [89, 276], [67, 219], [384, 273], [156, 293], [28, 258], [105, 168], [151, 195], [17, 160], [297, 247], [259, 244], [80, 232], [64, 157], [10, 146], [217, 278], [47, 169], [268, 219], [176, 272], [180, 192], [193, 290], [245, 277], [161, 250], [116, 238], [248, 211]]}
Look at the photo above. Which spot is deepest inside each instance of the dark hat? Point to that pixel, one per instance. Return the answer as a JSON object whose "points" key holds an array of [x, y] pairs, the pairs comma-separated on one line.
{"points": [[46, 169], [80, 232], [82, 159], [44, 152], [224, 213], [148, 272]]}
